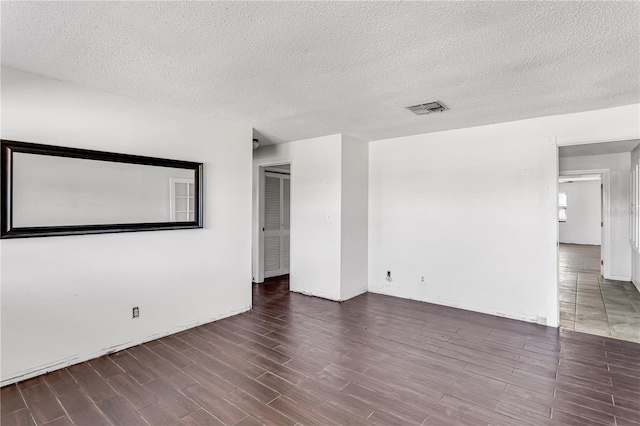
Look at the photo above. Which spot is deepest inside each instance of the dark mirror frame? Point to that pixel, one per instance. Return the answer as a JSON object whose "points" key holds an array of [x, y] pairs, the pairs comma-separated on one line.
{"points": [[6, 191]]}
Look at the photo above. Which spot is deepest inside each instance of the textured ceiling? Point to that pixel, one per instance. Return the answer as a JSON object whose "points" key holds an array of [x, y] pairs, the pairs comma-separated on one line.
{"points": [[598, 148], [294, 70]]}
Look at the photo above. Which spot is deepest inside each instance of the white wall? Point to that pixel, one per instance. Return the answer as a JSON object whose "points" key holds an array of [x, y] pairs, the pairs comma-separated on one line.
{"points": [[68, 299], [354, 238], [475, 211], [618, 214], [329, 178], [635, 255], [583, 213], [315, 212]]}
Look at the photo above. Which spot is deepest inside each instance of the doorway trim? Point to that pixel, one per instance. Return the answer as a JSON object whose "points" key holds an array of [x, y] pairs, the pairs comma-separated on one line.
{"points": [[552, 143], [605, 244], [282, 175], [261, 167]]}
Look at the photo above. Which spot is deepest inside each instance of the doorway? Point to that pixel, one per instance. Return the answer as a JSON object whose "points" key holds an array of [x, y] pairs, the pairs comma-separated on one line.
{"points": [[580, 260], [580, 211], [275, 220], [595, 294]]}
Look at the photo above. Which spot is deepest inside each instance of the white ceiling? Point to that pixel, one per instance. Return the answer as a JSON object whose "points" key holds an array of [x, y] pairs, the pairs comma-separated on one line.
{"points": [[294, 70], [598, 148]]}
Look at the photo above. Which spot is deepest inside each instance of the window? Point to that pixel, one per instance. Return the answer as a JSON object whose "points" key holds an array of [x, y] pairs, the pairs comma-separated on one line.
{"points": [[182, 200], [562, 207]]}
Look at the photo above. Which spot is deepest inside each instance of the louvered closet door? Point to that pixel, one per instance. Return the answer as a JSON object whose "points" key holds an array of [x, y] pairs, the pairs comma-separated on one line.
{"points": [[276, 224]]}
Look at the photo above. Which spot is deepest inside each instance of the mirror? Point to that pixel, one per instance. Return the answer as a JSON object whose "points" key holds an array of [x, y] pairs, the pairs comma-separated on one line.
{"points": [[50, 190]]}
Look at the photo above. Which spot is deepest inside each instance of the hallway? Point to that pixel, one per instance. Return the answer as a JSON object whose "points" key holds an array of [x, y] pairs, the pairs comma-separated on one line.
{"points": [[591, 304]]}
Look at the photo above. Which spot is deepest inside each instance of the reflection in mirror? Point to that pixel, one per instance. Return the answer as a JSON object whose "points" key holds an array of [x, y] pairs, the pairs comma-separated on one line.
{"points": [[182, 199], [61, 191]]}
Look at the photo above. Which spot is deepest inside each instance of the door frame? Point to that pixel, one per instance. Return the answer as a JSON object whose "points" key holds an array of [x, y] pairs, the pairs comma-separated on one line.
{"points": [[282, 175], [258, 273], [605, 243], [552, 172]]}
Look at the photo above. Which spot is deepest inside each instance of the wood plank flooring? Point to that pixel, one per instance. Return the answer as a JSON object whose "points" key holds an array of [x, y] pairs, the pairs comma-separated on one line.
{"points": [[371, 360]]}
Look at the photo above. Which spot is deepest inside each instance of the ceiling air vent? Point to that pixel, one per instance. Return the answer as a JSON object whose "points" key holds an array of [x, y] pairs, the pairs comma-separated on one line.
{"points": [[427, 108]]}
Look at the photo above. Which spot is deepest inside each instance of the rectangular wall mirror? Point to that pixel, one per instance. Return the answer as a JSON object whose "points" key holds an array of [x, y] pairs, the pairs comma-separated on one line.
{"points": [[51, 190]]}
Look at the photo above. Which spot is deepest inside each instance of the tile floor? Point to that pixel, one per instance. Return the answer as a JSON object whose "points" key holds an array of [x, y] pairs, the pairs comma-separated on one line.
{"points": [[591, 304]]}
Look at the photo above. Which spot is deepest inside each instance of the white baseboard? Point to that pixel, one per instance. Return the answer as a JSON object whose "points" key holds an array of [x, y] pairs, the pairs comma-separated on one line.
{"points": [[520, 316], [77, 359], [354, 294], [317, 294], [328, 296], [618, 278]]}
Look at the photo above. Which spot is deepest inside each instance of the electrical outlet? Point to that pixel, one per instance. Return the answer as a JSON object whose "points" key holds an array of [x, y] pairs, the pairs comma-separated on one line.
{"points": [[136, 312], [422, 280], [389, 279]]}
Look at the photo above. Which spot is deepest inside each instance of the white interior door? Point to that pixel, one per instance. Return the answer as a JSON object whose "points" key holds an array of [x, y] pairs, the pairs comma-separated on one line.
{"points": [[276, 229]]}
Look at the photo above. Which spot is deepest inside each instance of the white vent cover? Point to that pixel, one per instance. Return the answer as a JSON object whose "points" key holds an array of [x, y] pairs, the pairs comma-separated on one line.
{"points": [[427, 108]]}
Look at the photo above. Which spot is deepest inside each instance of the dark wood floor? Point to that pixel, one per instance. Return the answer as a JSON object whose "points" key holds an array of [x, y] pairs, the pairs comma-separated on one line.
{"points": [[374, 359]]}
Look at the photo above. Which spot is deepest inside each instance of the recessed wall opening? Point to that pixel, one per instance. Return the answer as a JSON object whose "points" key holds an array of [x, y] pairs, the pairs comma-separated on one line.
{"points": [[275, 224], [596, 218]]}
